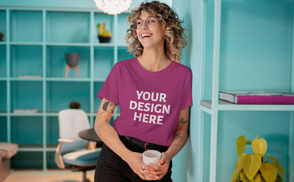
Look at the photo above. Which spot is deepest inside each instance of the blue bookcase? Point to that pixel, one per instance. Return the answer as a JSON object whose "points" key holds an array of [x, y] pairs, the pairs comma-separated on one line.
{"points": [[246, 45], [35, 43]]}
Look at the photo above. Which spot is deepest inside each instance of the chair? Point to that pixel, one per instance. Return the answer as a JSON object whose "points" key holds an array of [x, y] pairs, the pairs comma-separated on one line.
{"points": [[71, 122]]}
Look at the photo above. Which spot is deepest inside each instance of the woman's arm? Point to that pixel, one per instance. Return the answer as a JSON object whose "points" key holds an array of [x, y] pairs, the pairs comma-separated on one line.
{"points": [[180, 139], [181, 134], [110, 137]]}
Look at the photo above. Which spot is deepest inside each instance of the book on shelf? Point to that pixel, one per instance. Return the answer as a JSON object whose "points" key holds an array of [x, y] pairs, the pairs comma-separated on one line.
{"points": [[30, 76], [258, 97], [207, 103], [25, 110]]}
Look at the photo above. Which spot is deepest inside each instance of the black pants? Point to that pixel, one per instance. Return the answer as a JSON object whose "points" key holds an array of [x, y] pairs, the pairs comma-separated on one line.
{"points": [[111, 168]]}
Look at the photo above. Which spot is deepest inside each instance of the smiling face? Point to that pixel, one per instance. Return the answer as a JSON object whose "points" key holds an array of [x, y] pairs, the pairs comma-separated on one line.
{"points": [[149, 36]]}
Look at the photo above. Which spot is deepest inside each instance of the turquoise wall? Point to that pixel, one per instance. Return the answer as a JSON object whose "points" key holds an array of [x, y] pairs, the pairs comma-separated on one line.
{"points": [[185, 162]]}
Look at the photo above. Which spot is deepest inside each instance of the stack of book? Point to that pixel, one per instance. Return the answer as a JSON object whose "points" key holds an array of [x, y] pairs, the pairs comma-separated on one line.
{"points": [[257, 97], [25, 110]]}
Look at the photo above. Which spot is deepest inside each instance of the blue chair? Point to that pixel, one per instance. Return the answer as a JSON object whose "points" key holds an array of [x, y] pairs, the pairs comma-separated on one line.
{"points": [[71, 122]]}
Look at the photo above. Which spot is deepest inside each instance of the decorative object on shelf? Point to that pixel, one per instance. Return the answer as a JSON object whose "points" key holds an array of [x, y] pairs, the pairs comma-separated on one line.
{"points": [[113, 7], [74, 105], [1, 36], [72, 60], [255, 167], [257, 97], [104, 36]]}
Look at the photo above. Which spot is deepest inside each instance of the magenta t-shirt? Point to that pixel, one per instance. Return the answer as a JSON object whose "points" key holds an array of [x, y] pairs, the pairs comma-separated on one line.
{"points": [[150, 102]]}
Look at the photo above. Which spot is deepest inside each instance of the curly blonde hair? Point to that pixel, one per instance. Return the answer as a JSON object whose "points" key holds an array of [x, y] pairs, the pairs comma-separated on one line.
{"points": [[173, 32]]}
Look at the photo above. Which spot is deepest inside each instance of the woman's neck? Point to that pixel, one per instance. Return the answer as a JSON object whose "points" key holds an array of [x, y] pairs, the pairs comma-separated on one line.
{"points": [[153, 60]]}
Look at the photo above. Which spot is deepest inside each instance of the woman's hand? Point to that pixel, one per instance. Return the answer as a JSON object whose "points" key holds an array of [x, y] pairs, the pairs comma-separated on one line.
{"points": [[135, 161], [158, 171]]}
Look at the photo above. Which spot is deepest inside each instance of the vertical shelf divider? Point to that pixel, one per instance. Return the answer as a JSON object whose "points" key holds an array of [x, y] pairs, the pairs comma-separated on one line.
{"points": [[215, 89], [92, 114], [115, 51], [202, 91], [291, 126], [8, 75], [44, 94]]}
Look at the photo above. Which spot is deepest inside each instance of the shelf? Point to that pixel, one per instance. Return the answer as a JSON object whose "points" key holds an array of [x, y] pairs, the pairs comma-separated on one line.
{"points": [[28, 158], [69, 44], [103, 62], [103, 18], [104, 45], [3, 61], [3, 98], [69, 79], [226, 106], [60, 27], [25, 79], [51, 147], [122, 46], [56, 62], [26, 26], [3, 43], [99, 79], [27, 114], [27, 148], [61, 94], [50, 113], [3, 114], [3, 124], [22, 125], [3, 26], [21, 55], [122, 24], [26, 95], [123, 54], [27, 43]]}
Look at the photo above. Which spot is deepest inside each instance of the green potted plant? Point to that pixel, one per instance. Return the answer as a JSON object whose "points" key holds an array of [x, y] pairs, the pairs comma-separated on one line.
{"points": [[1, 36], [104, 36], [256, 167]]}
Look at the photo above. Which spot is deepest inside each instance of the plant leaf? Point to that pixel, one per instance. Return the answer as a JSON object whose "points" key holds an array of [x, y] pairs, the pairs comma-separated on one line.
{"points": [[236, 165], [251, 164], [256, 178], [259, 146], [241, 144], [280, 169], [271, 158], [244, 177], [240, 162], [238, 168], [279, 179], [269, 172], [235, 176]]}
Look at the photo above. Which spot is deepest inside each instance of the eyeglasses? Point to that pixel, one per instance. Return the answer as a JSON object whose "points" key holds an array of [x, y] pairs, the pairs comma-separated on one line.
{"points": [[149, 21]]}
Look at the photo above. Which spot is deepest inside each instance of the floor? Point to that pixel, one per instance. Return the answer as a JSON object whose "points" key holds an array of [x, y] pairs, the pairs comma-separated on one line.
{"points": [[50, 176]]}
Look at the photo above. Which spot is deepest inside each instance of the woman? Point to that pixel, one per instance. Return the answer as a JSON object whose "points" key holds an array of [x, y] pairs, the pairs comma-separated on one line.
{"points": [[154, 92]]}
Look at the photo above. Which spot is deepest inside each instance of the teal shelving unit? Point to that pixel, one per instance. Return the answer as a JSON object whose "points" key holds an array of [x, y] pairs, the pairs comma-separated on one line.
{"points": [[35, 43], [246, 45]]}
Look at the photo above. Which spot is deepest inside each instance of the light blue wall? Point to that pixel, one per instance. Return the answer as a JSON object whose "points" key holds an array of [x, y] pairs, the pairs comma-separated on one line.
{"points": [[185, 163]]}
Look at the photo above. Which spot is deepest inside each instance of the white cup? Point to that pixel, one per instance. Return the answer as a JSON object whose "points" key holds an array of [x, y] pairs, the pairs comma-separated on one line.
{"points": [[151, 157]]}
